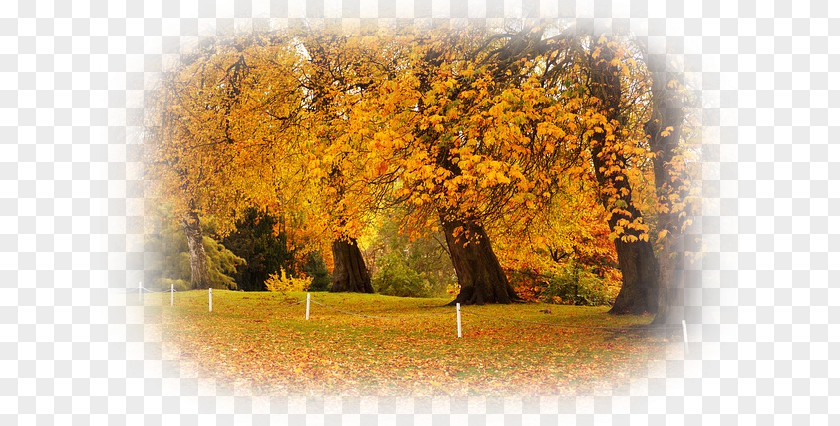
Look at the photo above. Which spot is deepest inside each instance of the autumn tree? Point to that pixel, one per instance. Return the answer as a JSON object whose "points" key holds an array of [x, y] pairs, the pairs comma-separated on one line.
{"points": [[613, 148], [483, 138], [637, 159], [340, 71], [476, 132], [174, 267], [566, 251], [209, 152]]}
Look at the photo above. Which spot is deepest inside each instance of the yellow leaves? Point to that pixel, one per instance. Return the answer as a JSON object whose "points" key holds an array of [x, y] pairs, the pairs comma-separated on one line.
{"points": [[576, 170], [494, 178], [377, 121], [667, 132], [284, 283], [549, 147], [314, 163], [530, 204], [435, 120], [627, 238]]}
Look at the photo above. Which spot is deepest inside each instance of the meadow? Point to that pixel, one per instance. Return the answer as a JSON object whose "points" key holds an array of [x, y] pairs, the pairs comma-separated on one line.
{"points": [[364, 344]]}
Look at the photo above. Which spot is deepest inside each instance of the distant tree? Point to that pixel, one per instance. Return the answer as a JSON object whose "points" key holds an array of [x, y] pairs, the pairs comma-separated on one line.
{"points": [[258, 238], [216, 129], [170, 243], [406, 265]]}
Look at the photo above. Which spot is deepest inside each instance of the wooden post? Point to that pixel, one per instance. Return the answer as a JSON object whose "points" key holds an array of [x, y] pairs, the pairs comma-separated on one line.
{"points": [[307, 306], [210, 299], [685, 336], [458, 317], [171, 294]]}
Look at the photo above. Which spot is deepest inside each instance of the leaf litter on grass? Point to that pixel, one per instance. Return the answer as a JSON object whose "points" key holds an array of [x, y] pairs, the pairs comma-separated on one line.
{"points": [[379, 345]]}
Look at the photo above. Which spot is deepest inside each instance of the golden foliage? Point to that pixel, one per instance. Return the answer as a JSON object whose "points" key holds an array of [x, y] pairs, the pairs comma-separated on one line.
{"points": [[284, 283], [327, 127]]}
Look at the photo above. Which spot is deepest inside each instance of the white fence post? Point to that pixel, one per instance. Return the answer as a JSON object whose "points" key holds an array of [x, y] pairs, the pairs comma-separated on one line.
{"points": [[307, 306], [140, 291], [210, 299], [171, 294], [458, 316], [685, 336]]}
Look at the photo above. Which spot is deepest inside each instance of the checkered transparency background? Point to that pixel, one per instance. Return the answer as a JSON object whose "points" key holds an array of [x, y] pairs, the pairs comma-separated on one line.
{"points": [[762, 314]]}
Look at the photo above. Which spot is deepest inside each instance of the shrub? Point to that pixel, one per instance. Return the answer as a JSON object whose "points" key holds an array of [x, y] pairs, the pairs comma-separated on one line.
{"points": [[284, 283], [527, 283], [573, 285], [316, 268], [395, 278], [453, 289], [221, 264], [178, 285], [578, 287]]}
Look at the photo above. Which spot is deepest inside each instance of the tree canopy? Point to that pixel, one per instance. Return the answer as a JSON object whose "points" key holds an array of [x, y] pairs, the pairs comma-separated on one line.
{"points": [[527, 147]]}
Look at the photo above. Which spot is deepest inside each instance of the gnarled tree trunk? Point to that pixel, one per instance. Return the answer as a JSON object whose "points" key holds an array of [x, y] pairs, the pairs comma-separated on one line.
{"points": [[349, 272], [479, 272], [199, 276]]}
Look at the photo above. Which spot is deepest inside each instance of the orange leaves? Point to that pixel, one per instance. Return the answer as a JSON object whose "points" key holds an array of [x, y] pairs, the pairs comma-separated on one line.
{"points": [[331, 126], [262, 340]]}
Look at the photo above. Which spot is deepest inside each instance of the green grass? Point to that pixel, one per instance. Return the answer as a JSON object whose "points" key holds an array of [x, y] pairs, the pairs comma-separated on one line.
{"points": [[405, 346]]}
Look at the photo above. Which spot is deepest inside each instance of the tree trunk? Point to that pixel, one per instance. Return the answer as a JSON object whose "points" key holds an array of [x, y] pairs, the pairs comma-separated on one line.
{"points": [[199, 275], [640, 276], [349, 272], [479, 272], [639, 269], [672, 261], [664, 131]]}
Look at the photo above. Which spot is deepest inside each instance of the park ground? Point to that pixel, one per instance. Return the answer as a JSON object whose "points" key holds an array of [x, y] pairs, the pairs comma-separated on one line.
{"points": [[363, 344]]}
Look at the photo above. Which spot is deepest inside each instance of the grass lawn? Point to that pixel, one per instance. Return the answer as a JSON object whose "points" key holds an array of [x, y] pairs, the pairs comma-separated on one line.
{"points": [[404, 346]]}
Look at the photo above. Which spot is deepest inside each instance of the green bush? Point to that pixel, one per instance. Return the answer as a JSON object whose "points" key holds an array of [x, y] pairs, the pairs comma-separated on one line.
{"points": [[577, 286], [400, 264], [396, 278], [221, 264], [316, 268], [264, 250], [178, 285]]}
